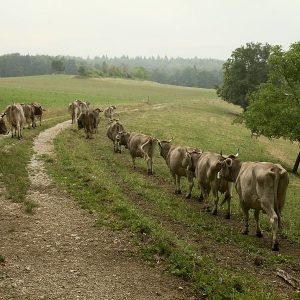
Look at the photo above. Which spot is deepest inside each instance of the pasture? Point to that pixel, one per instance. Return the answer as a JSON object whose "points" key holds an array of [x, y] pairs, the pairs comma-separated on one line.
{"points": [[209, 251]]}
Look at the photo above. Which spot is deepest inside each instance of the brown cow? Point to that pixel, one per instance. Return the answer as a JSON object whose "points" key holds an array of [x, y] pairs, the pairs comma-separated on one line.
{"points": [[38, 112], [29, 115], [177, 162], [3, 127], [83, 105], [112, 132], [74, 111], [207, 167], [109, 112], [260, 186], [89, 120], [16, 119], [139, 145]]}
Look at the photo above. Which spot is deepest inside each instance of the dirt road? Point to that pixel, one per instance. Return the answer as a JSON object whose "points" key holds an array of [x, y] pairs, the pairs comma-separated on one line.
{"points": [[57, 253]]}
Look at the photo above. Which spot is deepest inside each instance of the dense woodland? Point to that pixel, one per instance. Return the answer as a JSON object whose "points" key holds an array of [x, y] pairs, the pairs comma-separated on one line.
{"points": [[193, 72]]}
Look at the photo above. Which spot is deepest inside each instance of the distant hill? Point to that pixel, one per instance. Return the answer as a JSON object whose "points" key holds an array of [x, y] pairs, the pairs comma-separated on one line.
{"points": [[194, 72]]}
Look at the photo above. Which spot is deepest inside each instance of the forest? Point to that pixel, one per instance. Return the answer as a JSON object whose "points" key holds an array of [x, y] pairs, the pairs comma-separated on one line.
{"points": [[192, 72]]}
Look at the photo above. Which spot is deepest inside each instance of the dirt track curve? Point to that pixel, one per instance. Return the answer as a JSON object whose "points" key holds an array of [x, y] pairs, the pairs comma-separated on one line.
{"points": [[57, 253]]}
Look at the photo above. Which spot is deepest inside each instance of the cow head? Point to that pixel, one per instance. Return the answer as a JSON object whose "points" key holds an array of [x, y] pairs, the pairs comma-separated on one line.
{"points": [[3, 128], [164, 147], [228, 166], [98, 110], [121, 139], [191, 158], [37, 108]]}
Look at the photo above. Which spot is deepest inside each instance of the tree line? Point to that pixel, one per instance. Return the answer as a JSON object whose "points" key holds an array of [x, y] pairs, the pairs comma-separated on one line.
{"points": [[265, 81], [193, 72]]}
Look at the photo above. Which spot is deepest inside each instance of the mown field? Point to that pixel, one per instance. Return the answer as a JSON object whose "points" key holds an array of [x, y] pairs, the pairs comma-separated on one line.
{"points": [[206, 250]]}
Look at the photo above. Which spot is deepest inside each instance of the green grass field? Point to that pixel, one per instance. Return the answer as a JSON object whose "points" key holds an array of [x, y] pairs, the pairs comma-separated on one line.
{"points": [[162, 223]]}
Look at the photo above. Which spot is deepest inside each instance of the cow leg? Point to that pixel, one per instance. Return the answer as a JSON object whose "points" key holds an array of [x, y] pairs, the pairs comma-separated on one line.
{"points": [[246, 220], [133, 162], [227, 199], [216, 201], [191, 184], [115, 147], [274, 223], [256, 216], [205, 193], [177, 184], [149, 166], [19, 132]]}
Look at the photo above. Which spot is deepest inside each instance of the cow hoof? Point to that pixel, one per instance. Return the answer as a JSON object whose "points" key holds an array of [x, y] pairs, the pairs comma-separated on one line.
{"points": [[150, 172], [275, 247], [188, 196], [227, 216], [259, 234], [245, 232], [214, 212]]}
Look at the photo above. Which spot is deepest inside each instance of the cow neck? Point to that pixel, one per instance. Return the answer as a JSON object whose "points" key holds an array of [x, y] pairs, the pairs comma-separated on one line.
{"points": [[166, 150], [235, 169]]}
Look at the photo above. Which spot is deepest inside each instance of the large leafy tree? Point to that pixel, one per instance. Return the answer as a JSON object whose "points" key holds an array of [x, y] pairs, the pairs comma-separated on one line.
{"points": [[243, 72], [274, 109]]}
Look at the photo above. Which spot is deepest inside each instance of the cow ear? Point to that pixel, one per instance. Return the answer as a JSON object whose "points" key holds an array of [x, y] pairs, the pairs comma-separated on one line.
{"points": [[238, 152], [188, 154], [228, 162]]}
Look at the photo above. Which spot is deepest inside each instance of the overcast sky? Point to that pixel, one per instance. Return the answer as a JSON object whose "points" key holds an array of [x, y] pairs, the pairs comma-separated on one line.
{"points": [[186, 28]]}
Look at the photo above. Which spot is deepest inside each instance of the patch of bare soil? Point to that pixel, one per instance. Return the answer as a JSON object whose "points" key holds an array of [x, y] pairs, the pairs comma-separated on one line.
{"points": [[57, 253]]}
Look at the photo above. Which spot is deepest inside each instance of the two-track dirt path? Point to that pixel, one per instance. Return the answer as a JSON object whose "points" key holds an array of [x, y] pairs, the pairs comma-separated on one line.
{"points": [[57, 253]]}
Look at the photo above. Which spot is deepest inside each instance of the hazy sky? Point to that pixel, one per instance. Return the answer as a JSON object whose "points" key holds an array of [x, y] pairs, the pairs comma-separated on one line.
{"points": [[187, 28]]}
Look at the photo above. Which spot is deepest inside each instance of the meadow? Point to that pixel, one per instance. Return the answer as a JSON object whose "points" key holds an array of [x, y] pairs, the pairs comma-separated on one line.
{"points": [[206, 250]]}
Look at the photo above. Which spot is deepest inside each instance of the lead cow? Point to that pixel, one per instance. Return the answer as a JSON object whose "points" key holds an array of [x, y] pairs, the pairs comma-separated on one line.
{"points": [[139, 145], [260, 186]]}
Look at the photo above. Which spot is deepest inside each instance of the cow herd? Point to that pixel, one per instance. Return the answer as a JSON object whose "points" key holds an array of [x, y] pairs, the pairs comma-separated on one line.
{"points": [[261, 186], [18, 116]]}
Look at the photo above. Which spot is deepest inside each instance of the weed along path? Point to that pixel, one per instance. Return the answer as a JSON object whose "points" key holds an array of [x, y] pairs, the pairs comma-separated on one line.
{"points": [[57, 253]]}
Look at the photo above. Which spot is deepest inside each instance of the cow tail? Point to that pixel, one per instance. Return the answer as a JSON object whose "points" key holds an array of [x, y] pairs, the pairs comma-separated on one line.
{"points": [[146, 156], [276, 176]]}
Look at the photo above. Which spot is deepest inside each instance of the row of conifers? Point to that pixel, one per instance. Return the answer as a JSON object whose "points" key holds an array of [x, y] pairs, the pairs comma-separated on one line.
{"points": [[261, 186]]}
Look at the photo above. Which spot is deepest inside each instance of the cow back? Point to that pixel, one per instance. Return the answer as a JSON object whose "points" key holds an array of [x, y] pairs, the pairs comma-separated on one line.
{"points": [[15, 114], [136, 141], [176, 160], [113, 129]]}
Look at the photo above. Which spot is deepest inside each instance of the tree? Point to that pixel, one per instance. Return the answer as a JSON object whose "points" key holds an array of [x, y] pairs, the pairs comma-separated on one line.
{"points": [[140, 72], [82, 71], [274, 109], [243, 72], [58, 65]]}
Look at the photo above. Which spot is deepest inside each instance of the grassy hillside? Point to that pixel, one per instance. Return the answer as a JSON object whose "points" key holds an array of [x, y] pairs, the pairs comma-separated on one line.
{"points": [[207, 250]]}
